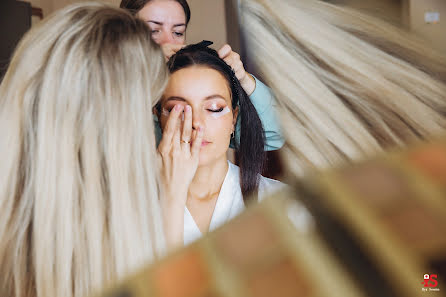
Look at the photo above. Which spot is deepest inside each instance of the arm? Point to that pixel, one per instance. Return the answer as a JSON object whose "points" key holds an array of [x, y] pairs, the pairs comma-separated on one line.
{"points": [[263, 101], [179, 155], [261, 97]]}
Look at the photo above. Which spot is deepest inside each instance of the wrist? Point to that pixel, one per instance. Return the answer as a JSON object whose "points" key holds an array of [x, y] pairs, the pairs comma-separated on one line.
{"points": [[172, 207], [175, 198], [248, 84]]}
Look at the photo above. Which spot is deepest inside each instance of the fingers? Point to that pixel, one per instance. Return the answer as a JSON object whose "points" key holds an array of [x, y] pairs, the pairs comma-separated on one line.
{"points": [[233, 60], [187, 125], [176, 145], [196, 145], [239, 70], [224, 51], [171, 127]]}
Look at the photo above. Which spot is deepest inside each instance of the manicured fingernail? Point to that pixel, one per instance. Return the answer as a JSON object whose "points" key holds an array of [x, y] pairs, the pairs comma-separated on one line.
{"points": [[177, 107], [188, 108]]}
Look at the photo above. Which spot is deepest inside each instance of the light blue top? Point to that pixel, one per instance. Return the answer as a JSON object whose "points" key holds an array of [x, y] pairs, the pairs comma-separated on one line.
{"points": [[263, 101]]}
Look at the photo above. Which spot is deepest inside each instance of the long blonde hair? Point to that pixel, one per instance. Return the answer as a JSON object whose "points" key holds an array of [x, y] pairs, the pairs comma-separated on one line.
{"points": [[347, 85], [78, 187]]}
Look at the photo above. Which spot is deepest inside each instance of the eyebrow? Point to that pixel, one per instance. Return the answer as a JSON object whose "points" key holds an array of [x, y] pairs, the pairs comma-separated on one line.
{"points": [[178, 98], [161, 23]]}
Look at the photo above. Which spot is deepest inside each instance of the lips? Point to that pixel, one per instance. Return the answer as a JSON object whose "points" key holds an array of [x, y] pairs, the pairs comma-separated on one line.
{"points": [[204, 143]]}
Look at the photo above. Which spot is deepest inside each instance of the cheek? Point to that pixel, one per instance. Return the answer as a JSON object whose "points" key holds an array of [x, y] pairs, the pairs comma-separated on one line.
{"points": [[180, 40], [219, 126], [162, 120]]}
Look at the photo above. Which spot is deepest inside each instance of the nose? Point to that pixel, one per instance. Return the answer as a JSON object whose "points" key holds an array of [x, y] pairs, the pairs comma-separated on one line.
{"points": [[197, 119], [165, 38]]}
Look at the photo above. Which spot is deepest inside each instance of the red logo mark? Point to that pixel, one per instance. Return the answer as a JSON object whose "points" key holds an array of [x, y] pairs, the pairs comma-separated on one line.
{"points": [[430, 280]]}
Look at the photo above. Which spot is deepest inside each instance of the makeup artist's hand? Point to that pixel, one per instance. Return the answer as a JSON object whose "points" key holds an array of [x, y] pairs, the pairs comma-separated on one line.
{"points": [[179, 150], [233, 59], [169, 49]]}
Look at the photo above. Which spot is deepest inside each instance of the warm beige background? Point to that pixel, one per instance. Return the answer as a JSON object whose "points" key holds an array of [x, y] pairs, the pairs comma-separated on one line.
{"points": [[409, 13], [434, 33], [208, 17], [207, 22], [386, 9], [49, 6]]}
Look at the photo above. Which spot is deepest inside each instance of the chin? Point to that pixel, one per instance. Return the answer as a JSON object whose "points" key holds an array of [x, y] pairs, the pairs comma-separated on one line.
{"points": [[204, 160], [209, 158]]}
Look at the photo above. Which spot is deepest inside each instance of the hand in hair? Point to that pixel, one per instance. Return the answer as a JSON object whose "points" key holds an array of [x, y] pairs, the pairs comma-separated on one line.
{"points": [[170, 49], [179, 152], [233, 59]]}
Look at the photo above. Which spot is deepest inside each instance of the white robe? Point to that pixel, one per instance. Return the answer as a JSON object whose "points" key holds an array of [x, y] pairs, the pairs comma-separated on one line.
{"points": [[229, 202]]}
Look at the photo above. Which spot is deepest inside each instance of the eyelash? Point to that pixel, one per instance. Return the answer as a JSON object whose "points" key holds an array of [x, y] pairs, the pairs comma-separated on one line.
{"points": [[177, 34], [211, 110], [216, 110]]}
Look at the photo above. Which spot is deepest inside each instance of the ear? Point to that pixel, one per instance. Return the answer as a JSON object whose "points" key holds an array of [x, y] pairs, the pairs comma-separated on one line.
{"points": [[234, 116]]}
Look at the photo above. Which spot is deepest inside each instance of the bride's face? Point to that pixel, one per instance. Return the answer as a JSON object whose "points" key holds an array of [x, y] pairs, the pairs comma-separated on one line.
{"points": [[208, 94]]}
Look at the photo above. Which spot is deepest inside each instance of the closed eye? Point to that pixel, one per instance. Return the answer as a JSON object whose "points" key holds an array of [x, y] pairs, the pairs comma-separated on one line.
{"points": [[216, 110]]}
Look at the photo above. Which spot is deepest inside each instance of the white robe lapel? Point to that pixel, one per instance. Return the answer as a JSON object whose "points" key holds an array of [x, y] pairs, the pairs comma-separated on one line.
{"points": [[229, 204], [230, 201]]}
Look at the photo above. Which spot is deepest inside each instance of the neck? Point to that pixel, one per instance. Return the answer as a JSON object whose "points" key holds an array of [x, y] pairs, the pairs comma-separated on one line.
{"points": [[208, 180]]}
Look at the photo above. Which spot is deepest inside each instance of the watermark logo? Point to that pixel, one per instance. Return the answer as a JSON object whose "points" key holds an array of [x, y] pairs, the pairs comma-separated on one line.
{"points": [[430, 283]]}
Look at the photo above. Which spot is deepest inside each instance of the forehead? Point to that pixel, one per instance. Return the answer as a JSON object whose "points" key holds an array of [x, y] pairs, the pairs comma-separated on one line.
{"points": [[197, 83], [163, 11]]}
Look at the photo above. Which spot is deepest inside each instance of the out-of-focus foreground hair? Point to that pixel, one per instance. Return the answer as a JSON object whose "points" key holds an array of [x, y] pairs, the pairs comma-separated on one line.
{"points": [[78, 188], [348, 85]]}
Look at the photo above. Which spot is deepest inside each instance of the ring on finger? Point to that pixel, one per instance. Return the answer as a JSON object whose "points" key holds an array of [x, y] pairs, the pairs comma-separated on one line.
{"points": [[185, 141]]}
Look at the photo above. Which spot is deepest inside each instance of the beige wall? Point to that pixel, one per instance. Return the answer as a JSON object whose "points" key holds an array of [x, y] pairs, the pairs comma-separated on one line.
{"points": [[207, 22], [409, 13], [389, 10], [49, 6], [433, 33], [208, 17]]}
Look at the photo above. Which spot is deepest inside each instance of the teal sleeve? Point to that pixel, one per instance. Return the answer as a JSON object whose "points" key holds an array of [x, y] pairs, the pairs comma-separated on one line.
{"points": [[263, 101]]}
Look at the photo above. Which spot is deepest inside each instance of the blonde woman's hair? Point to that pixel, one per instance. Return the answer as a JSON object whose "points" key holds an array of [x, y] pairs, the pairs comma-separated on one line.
{"points": [[348, 85], [78, 188]]}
